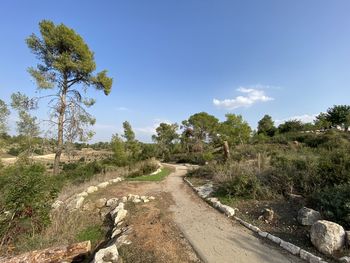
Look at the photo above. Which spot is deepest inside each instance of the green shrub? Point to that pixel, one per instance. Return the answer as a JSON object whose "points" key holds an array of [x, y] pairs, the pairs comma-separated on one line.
{"points": [[334, 203], [80, 172], [26, 195], [14, 151], [146, 167], [93, 233], [243, 185]]}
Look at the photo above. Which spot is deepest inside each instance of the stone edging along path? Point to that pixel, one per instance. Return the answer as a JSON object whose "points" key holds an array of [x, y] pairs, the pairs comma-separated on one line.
{"points": [[230, 212]]}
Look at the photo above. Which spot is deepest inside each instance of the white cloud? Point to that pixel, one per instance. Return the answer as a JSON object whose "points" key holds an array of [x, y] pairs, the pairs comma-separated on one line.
{"points": [[122, 109], [151, 129], [303, 118], [251, 96]]}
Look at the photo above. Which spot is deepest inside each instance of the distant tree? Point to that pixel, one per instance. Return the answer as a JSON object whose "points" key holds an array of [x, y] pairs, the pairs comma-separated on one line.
{"points": [[27, 125], [132, 145], [266, 126], [148, 150], [234, 130], [66, 65], [322, 121], [4, 114], [119, 150], [309, 126], [339, 115], [202, 128], [290, 126], [165, 138]]}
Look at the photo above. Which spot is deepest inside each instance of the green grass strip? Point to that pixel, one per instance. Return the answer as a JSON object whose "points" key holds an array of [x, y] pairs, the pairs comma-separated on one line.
{"points": [[153, 178]]}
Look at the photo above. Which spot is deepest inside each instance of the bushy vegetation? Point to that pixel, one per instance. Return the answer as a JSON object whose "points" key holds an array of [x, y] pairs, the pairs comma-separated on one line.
{"points": [[26, 194]]}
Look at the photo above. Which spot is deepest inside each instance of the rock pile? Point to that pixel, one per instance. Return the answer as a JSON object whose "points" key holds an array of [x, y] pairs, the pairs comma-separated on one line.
{"points": [[119, 232]]}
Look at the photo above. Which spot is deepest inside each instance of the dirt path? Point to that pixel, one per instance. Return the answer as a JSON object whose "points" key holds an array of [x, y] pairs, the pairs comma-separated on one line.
{"points": [[215, 237]]}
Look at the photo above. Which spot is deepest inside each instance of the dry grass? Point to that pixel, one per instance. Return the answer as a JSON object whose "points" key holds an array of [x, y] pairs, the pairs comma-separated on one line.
{"points": [[71, 189], [63, 230]]}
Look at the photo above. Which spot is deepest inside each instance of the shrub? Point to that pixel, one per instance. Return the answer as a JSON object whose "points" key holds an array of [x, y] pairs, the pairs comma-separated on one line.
{"points": [[26, 194], [14, 151], [145, 168], [334, 203], [80, 172]]}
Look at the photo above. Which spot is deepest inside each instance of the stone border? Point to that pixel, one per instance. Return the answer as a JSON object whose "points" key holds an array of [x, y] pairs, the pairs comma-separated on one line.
{"points": [[118, 233], [76, 201], [291, 248]]}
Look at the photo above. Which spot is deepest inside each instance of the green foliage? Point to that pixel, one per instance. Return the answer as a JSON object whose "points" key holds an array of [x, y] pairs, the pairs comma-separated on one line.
{"points": [[290, 126], [266, 126], [67, 64], [93, 233], [80, 172], [154, 177], [165, 138], [146, 168], [132, 146], [199, 129], [119, 151], [234, 130], [26, 193], [4, 114], [244, 186], [338, 115], [334, 203]]}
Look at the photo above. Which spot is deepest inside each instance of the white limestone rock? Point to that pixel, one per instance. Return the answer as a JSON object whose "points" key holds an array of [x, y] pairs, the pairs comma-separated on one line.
{"points": [[327, 236], [91, 189], [57, 204], [100, 202], [112, 202], [107, 255], [103, 185]]}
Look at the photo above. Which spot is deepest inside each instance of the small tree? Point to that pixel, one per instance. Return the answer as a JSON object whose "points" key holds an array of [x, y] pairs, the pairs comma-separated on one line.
{"points": [[338, 115], [201, 129], [27, 125], [322, 121], [235, 130], [165, 138], [66, 66], [266, 126], [4, 114], [131, 144], [118, 148], [291, 126]]}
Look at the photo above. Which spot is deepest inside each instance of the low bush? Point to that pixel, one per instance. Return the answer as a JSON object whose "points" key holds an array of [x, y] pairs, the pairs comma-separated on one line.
{"points": [[80, 172], [145, 168], [334, 203], [26, 195]]}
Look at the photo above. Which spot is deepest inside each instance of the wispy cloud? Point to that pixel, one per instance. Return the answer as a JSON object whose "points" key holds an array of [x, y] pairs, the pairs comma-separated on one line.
{"points": [[251, 96], [122, 109], [151, 129], [303, 118]]}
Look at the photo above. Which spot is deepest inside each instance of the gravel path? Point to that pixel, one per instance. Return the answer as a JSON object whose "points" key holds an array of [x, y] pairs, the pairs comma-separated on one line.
{"points": [[215, 237]]}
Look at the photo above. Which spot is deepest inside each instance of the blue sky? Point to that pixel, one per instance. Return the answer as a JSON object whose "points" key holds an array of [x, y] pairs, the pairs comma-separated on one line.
{"points": [[170, 59]]}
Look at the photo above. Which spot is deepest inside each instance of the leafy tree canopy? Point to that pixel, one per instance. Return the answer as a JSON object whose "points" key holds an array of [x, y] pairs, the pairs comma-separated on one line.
{"points": [[266, 126]]}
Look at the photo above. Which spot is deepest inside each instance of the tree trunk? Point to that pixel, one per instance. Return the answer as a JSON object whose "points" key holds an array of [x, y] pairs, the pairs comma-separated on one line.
{"points": [[56, 254], [61, 115], [226, 151]]}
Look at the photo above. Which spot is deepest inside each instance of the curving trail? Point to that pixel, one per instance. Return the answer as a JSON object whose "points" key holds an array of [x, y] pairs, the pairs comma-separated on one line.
{"points": [[215, 237]]}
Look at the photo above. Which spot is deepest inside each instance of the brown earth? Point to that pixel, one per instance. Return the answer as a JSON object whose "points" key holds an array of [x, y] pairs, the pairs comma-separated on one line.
{"points": [[178, 212]]}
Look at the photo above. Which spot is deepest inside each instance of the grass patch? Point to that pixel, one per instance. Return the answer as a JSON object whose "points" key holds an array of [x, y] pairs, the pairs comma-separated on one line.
{"points": [[153, 178], [94, 233]]}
